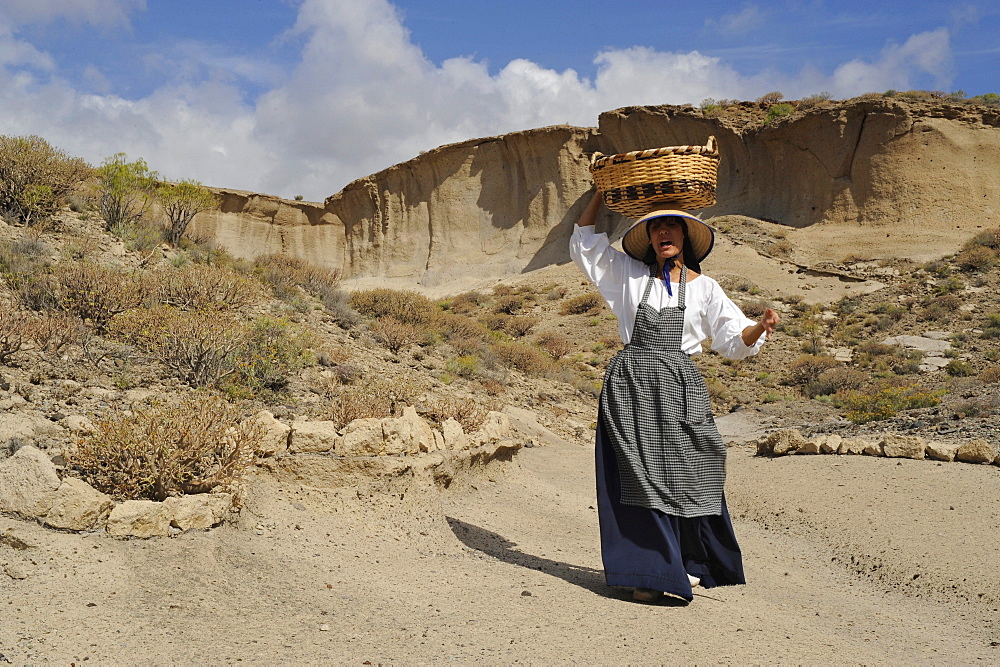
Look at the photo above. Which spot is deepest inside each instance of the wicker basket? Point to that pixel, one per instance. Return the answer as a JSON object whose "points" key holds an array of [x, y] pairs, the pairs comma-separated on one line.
{"points": [[635, 183]]}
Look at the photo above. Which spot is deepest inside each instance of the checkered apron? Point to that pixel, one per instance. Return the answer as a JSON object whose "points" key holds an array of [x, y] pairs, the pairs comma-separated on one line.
{"points": [[658, 418]]}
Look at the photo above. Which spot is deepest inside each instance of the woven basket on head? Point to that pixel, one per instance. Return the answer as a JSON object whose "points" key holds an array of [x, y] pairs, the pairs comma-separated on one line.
{"points": [[635, 183]]}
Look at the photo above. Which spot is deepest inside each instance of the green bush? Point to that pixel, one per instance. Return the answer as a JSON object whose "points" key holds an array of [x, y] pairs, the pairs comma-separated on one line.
{"points": [[776, 111], [35, 177], [191, 445], [181, 202], [886, 402], [959, 368], [125, 192], [92, 292], [808, 367]]}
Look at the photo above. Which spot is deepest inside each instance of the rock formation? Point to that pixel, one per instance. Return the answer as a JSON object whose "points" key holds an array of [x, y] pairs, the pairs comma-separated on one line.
{"points": [[504, 205]]}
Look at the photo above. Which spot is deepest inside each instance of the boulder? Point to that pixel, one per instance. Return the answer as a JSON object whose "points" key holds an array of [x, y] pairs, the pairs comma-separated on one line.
{"points": [[872, 449], [198, 512], [903, 446], [830, 443], [941, 451], [408, 434], [28, 483], [78, 506], [26, 426], [779, 443], [313, 436], [809, 447], [976, 451], [495, 427], [139, 518], [276, 434], [852, 446], [362, 437], [454, 435]]}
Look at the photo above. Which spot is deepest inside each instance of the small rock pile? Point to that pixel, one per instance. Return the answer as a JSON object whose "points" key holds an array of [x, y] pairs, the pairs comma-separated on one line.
{"points": [[891, 445]]}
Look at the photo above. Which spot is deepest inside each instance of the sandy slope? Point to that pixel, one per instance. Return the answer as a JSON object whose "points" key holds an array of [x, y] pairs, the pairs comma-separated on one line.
{"points": [[504, 566]]}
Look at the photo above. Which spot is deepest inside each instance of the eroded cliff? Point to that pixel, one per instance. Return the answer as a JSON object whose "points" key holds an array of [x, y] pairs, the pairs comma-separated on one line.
{"points": [[487, 208]]}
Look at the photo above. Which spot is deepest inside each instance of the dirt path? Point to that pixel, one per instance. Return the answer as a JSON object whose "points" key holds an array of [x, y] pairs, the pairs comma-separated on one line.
{"points": [[504, 566]]}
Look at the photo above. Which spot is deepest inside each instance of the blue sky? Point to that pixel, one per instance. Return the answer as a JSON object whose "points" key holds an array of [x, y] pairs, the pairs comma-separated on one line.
{"points": [[299, 97]]}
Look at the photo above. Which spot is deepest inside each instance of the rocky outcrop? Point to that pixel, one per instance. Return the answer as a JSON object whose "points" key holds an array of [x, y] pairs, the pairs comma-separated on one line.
{"points": [[791, 441], [503, 205]]}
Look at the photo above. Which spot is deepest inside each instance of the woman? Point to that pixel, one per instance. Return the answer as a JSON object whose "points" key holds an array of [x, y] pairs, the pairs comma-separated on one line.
{"points": [[660, 458]]}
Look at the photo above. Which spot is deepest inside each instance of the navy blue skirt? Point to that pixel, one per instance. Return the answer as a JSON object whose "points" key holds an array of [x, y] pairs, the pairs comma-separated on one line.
{"points": [[645, 548]]}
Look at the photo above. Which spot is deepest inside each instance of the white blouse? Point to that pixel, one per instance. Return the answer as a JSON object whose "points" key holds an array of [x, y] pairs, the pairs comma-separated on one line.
{"points": [[621, 280]]}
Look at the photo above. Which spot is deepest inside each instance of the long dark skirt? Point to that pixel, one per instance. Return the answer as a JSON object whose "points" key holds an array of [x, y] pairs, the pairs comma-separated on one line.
{"points": [[645, 548]]}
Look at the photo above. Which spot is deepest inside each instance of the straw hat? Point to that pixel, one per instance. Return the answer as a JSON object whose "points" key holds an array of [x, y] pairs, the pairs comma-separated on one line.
{"points": [[701, 236]]}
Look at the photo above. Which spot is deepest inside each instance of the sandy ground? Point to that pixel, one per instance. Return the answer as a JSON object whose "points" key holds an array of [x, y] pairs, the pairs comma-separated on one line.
{"points": [[849, 560]]}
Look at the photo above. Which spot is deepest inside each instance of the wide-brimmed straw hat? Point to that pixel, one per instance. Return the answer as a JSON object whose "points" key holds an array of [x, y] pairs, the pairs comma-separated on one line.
{"points": [[699, 235]]}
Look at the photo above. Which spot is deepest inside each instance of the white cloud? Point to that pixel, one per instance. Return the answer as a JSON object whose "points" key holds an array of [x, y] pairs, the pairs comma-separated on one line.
{"points": [[362, 97], [899, 67], [742, 22], [93, 12]]}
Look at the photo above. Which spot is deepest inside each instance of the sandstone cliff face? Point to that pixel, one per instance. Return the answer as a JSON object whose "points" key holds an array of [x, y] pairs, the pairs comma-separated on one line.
{"points": [[504, 205]]}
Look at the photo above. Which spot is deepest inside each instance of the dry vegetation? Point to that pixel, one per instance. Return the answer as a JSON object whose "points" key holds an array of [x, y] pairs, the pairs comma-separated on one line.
{"points": [[97, 324]]}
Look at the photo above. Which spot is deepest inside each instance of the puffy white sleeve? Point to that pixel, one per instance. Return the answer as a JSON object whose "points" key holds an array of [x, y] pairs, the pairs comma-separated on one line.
{"points": [[724, 322], [607, 267]]}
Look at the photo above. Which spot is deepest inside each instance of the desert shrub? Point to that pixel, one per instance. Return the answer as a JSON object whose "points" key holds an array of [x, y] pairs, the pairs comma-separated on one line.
{"points": [[408, 307], [465, 303], [989, 238], [461, 327], [959, 368], [509, 324], [885, 402], [776, 111], [557, 345], [466, 366], [181, 202], [338, 304], [979, 259], [284, 274], [142, 236], [502, 290], [754, 308], [940, 307], [811, 101], [190, 445], [205, 287], [393, 334], [201, 347], [509, 305], [770, 98], [990, 375], [808, 367], [53, 331], [92, 292], [555, 293], [525, 358], [380, 398], [125, 192], [213, 349], [492, 387], [15, 333], [951, 284], [833, 380], [781, 248], [585, 304], [466, 411], [35, 177], [991, 328], [273, 348]]}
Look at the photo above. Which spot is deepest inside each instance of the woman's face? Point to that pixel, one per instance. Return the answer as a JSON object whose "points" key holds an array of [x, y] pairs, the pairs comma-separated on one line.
{"points": [[666, 235]]}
